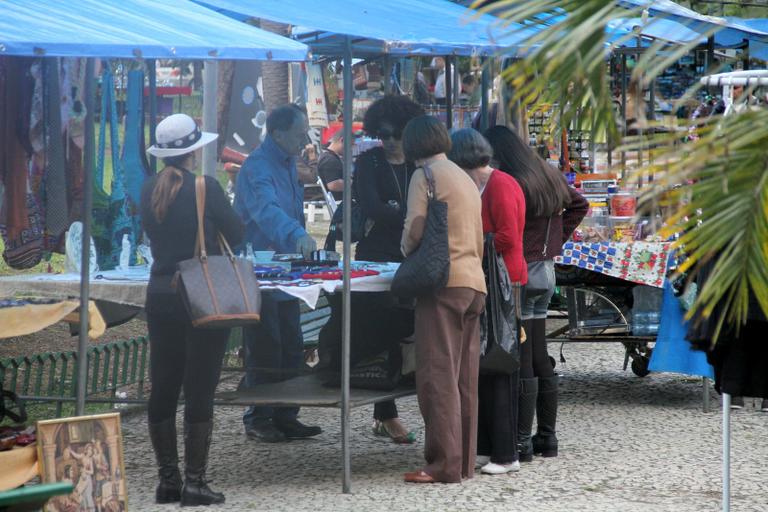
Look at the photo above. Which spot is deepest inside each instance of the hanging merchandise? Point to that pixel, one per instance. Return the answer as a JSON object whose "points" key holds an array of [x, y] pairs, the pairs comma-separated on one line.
{"points": [[13, 158], [22, 228], [73, 72], [132, 162], [110, 212], [54, 180]]}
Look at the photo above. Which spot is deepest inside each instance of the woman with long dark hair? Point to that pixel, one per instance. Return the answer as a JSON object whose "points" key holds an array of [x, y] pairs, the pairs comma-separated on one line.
{"points": [[553, 211], [180, 354]]}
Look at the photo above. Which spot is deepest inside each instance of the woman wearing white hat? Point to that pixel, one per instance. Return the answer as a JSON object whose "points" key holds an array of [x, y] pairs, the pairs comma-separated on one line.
{"points": [[181, 355]]}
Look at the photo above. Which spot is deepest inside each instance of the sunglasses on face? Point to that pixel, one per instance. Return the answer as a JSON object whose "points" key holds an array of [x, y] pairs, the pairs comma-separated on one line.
{"points": [[390, 134]]}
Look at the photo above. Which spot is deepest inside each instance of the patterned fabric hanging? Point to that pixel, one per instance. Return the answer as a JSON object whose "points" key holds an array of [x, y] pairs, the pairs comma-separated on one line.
{"points": [[56, 208]]}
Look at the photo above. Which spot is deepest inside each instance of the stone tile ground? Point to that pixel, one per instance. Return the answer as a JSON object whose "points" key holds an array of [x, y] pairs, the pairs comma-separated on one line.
{"points": [[627, 444]]}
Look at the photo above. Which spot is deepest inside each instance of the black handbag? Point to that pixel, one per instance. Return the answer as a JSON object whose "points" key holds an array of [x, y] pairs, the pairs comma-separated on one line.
{"points": [[217, 291], [500, 322], [428, 267], [538, 283]]}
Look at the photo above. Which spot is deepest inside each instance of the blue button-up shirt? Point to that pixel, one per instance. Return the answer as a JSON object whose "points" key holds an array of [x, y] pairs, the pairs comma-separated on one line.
{"points": [[270, 199]]}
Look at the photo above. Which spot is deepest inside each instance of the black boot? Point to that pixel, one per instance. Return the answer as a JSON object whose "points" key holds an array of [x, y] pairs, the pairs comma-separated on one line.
{"points": [[197, 441], [545, 440], [525, 410], [163, 437]]}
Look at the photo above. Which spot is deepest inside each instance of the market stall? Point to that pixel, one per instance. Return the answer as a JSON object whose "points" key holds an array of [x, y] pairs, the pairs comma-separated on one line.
{"points": [[82, 32]]}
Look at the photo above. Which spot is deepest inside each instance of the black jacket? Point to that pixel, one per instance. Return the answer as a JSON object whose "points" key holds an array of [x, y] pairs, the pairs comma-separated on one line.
{"points": [[376, 183], [173, 240]]}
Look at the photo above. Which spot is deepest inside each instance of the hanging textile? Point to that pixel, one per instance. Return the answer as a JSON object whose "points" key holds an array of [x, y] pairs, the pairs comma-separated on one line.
{"points": [[74, 71], [110, 212], [55, 184], [132, 161], [22, 227], [13, 158]]}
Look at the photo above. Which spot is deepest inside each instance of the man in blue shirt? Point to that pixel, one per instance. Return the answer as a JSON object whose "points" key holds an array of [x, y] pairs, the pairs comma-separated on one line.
{"points": [[269, 199]]}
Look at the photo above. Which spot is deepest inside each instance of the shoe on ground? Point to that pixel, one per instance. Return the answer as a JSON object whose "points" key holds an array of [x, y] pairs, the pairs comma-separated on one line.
{"points": [[500, 469], [737, 402], [418, 477], [764, 405], [294, 429], [265, 432], [482, 460]]}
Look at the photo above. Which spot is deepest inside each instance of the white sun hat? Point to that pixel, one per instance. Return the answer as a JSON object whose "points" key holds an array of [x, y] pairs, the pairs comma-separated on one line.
{"points": [[178, 135]]}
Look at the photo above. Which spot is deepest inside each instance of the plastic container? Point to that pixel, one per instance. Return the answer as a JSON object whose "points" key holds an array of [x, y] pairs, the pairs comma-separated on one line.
{"points": [[595, 229], [646, 310], [622, 229], [623, 204]]}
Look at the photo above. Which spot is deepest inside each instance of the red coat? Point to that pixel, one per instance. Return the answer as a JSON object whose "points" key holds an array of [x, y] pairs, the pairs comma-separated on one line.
{"points": [[504, 215]]}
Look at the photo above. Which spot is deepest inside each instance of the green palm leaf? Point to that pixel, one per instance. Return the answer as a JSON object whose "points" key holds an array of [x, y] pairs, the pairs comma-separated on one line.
{"points": [[721, 209]]}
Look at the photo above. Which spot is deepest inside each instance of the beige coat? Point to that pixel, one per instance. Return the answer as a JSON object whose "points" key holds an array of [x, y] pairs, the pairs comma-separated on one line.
{"points": [[465, 225]]}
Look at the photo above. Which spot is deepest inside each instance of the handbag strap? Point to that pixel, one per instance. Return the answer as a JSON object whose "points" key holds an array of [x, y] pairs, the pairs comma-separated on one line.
{"points": [[200, 207], [546, 238], [430, 181]]}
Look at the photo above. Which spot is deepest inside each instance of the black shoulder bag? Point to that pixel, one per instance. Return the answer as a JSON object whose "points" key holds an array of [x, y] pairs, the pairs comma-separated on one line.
{"points": [[428, 267]]}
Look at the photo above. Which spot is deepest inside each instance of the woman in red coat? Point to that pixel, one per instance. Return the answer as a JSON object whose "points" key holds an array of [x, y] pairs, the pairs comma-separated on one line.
{"points": [[503, 215]]}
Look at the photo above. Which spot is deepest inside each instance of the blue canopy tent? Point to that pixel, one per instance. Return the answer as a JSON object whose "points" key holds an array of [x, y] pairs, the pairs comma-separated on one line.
{"points": [[127, 29], [396, 27], [726, 32], [167, 29]]}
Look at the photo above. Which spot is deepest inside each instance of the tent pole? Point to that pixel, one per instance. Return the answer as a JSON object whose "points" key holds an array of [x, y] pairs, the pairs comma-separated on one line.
{"points": [[726, 452], [448, 93], [152, 71], [210, 86], [484, 83], [85, 259], [349, 93]]}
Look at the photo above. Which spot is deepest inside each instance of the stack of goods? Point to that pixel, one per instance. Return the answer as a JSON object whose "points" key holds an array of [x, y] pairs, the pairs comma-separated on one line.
{"points": [[612, 216]]}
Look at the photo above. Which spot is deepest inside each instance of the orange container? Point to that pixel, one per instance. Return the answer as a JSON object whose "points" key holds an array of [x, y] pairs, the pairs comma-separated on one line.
{"points": [[623, 204]]}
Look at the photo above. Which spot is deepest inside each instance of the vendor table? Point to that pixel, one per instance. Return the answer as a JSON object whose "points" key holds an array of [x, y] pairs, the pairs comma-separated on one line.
{"points": [[598, 279], [130, 287]]}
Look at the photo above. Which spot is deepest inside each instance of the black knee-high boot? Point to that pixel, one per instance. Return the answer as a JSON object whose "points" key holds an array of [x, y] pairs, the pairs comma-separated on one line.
{"points": [[545, 440], [163, 437], [526, 409], [197, 441]]}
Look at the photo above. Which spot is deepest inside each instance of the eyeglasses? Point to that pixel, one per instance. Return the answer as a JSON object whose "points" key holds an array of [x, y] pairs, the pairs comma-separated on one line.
{"points": [[390, 134]]}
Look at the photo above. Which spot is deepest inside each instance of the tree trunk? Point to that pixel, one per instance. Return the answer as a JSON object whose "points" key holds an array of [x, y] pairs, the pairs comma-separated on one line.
{"points": [[275, 75]]}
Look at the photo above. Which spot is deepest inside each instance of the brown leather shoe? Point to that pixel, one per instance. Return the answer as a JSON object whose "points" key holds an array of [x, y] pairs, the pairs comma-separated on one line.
{"points": [[419, 477]]}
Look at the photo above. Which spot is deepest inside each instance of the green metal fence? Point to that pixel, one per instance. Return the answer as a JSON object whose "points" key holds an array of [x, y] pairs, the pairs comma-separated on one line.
{"points": [[52, 377]]}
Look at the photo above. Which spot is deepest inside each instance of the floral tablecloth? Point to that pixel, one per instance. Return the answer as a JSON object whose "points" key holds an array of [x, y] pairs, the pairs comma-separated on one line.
{"points": [[638, 262]]}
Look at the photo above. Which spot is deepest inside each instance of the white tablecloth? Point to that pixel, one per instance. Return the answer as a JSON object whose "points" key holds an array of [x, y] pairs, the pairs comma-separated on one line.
{"points": [[130, 288]]}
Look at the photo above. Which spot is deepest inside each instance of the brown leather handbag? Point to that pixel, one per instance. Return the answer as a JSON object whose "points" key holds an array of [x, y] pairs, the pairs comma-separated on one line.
{"points": [[218, 291]]}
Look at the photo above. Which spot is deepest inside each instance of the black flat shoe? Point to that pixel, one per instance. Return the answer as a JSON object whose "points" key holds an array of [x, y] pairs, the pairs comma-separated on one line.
{"points": [[266, 433], [294, 429]]}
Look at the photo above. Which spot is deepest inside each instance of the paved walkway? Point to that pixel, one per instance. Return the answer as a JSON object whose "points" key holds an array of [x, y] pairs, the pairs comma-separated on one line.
{"points": [[627, 444]]}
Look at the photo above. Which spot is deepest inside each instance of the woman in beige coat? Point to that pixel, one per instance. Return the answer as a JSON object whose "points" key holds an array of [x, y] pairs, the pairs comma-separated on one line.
{"points": [[448, 320]]}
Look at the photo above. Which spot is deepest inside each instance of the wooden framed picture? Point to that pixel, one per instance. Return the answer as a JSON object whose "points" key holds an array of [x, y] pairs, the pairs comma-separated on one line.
{"points": [[86, 451]]}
